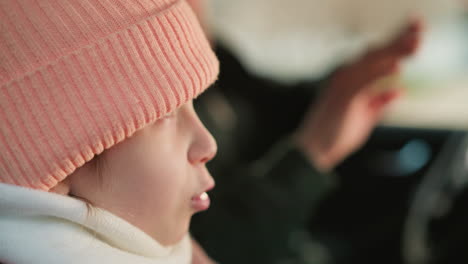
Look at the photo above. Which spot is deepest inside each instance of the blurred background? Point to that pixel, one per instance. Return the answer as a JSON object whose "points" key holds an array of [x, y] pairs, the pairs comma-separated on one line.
{"points": [[403, 197]]}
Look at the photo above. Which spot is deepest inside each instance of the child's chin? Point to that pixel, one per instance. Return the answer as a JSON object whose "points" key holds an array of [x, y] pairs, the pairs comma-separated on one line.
{"points": [[184, 232], [179, 238], [174, 241], [177, 234]]}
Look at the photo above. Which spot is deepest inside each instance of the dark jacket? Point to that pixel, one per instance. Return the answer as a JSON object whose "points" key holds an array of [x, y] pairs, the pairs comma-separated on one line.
{"points": [[266, 190]]}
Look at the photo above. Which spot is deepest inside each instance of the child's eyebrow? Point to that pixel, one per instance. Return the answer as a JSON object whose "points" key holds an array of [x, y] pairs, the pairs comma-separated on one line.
{"points": [[173, 112], [170, 113]]}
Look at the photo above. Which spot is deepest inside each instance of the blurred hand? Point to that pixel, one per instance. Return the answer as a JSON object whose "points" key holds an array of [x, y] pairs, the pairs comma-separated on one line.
{"points": [[350, 107], [199, 255]]}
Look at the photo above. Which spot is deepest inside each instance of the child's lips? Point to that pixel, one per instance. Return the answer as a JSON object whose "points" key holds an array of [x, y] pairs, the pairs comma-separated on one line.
{"points": [[201, 202]]}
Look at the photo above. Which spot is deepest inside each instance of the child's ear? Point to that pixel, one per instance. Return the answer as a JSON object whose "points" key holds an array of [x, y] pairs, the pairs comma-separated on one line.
{"points": [[62, 187]]}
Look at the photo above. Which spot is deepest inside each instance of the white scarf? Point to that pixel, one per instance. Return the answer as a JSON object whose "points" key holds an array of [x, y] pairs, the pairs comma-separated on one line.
{"points": [[41, 227]]}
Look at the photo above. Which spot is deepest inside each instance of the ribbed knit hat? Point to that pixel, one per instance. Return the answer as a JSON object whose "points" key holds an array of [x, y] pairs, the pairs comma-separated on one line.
{"points": [[77, 77]]}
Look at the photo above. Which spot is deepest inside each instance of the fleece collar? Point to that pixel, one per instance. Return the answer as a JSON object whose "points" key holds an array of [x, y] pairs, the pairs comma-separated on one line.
{"points": [[39, 219]]}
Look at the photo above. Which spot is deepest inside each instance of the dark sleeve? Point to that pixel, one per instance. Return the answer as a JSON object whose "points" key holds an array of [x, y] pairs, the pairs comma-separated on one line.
{"points": [[283, 182], [262, 208], [266, 189]]}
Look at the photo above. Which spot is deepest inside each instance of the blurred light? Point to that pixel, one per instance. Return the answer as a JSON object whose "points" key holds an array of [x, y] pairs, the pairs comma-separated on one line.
{"points": [[413, 157]]}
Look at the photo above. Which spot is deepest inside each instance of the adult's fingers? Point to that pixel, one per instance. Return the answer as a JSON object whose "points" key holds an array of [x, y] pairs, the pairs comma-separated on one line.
{"points": [[380, 102]]}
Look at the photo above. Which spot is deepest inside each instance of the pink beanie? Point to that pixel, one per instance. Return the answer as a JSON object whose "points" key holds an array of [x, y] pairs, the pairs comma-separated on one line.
{"points": [[77, 77]]}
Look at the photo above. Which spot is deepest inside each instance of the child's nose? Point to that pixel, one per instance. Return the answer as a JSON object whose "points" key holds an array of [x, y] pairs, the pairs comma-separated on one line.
{"points": [[204, 146]]}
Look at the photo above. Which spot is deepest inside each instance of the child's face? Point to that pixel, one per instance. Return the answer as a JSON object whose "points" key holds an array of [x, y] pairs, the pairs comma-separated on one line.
{"points": [[156, 178]]}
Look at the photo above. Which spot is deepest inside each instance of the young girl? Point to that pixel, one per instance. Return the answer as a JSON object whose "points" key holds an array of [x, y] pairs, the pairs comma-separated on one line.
{"points": [[102, 156]]}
